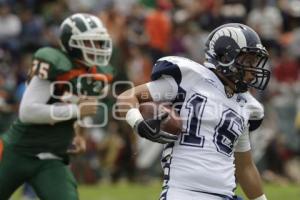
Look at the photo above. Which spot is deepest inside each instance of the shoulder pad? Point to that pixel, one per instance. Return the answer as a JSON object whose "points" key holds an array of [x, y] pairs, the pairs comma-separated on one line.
{"points": [[255, 109], [165, 67], [177, 67], [106, 70], [50, 62]]}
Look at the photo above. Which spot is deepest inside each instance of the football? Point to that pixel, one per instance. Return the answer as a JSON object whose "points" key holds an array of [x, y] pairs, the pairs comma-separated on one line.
{"points": [[172, 124]]}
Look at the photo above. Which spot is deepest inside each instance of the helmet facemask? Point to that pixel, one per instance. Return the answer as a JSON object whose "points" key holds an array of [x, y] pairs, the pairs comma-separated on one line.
{"points": [[249, 69], [96, 48]]}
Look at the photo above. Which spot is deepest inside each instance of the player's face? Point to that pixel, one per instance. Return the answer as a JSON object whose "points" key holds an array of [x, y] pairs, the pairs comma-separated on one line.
{"points": [[248, 61], [96, 45], [249, 76]]}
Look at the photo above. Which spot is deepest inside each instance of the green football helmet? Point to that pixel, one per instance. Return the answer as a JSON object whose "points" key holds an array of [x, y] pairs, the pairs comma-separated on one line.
{"points": [[84, 37]]}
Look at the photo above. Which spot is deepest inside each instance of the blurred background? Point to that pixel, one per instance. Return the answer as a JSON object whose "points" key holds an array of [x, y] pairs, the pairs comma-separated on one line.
{"points": [[143, 31]]}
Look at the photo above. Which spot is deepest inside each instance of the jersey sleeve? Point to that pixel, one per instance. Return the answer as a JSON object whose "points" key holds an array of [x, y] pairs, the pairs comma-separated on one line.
{"points": [[256, 113], [35, 110], [49, 63], [163, 89], [166, 67], [243, 143]]}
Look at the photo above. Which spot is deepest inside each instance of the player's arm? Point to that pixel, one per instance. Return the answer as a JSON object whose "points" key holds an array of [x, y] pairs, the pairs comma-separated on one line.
{"points": [[79, 140], [246, 172], [128, 103], [34, 108], [248, 176]]}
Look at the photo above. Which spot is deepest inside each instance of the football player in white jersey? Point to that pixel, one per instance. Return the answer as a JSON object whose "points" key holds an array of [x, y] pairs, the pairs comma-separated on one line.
{"points": [[213, 151]]}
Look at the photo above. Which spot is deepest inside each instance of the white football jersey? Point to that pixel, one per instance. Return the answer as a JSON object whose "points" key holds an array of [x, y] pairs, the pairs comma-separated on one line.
{"points": [[202, 159]]}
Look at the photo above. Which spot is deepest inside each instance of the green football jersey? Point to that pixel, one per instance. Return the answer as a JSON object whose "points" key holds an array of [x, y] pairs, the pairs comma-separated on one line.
{"points": [[53, 65]]}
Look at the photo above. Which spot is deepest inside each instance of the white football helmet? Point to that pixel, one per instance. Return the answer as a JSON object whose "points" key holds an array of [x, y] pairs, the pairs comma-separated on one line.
{"points": [[84, 37]]}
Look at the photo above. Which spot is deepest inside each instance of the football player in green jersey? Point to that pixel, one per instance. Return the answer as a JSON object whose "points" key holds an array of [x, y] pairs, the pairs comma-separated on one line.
{"points": [[63, 87]]}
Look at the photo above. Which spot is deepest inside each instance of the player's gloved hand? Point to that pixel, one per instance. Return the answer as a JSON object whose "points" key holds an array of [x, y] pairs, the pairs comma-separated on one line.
{"points": [[87, 106], [150, 129]]}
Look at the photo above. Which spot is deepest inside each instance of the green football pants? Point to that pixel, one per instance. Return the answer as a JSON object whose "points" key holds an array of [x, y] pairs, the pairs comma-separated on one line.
{"points": [[51, 179]]}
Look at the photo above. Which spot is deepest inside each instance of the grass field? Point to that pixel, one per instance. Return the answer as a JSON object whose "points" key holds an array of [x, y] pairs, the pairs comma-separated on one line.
{"points": [[125, 191]]}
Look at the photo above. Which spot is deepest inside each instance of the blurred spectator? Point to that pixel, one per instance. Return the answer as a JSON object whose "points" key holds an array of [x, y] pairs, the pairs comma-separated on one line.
{"points": [[115, 23], [139, 66], [87, 168], [135, 26], [234, 11], [294, 44], [267, 21], [8, 83], [116, 26], [10, 28], [287, 69], [277, 156], [211, 16], [10, 23], [158, 28], [176, 44], [89, 5], [291, 7], [32, 30], [194, 42], [118, 151], [125, 6], [55, 14], [8, 105], [125, 165]]}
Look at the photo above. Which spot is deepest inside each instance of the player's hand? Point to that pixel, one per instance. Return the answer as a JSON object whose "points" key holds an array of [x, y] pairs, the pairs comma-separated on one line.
{"points": [[79, 141], [78, 145], [150, 129], [87, 106]]}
